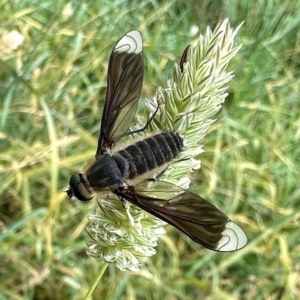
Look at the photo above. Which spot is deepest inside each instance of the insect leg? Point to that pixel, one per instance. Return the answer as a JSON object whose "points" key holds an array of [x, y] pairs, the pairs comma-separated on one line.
{"points": [[143, 128], [161, 173], [126, 206]]}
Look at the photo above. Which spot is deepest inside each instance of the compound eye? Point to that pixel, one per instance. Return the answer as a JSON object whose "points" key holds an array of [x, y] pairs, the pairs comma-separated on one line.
{"points": [[80, 188]]}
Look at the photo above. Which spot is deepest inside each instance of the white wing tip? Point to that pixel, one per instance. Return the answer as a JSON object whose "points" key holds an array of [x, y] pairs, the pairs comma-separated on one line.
{"points": [[234, 238], [131, 42]]}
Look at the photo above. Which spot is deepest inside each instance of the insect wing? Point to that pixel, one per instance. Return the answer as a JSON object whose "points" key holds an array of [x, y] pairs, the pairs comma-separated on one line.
{"points": [[183, 59], [124, 86], [191, 214]]}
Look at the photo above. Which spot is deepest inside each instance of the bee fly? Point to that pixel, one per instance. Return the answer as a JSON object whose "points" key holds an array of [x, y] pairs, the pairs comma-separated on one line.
{"points": [[117, 171]]}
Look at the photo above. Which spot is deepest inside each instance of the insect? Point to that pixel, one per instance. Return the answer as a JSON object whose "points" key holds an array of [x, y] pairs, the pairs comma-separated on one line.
{"points": [[116, 171]]}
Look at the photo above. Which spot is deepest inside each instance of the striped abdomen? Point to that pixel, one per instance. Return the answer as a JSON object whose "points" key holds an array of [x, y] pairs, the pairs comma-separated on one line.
{"points": [[152, 152]]}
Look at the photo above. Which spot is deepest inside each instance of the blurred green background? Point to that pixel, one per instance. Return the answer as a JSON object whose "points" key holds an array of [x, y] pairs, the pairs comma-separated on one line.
{"points": [[52, 90]]}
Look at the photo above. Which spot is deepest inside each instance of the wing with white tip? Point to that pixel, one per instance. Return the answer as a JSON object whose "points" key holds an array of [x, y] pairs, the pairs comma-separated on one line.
{"points": [[124, 86], [194, 216]]}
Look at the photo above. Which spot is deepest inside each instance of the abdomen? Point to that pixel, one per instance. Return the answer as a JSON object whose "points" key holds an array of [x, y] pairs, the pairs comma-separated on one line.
{"points": [[152, 152]]}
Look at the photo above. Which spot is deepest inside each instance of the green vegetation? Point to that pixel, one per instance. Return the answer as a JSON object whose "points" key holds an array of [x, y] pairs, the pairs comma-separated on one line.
{"points": [[51, 97]]}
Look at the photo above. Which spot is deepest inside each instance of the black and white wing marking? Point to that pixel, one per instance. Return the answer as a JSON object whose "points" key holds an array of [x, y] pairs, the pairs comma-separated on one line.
{"points": [[124, 86], [184, 57], [188, 212]]}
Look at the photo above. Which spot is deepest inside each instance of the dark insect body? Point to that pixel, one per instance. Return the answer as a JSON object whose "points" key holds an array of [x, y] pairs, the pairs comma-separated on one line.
{"points": [[188, 212], [135, 160]]}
